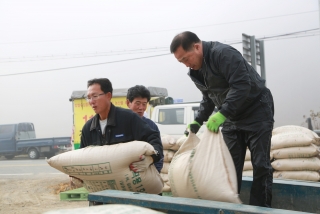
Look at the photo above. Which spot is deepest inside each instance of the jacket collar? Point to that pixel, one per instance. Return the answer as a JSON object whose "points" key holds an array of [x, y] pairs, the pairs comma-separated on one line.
{"points": [[111, 118]]}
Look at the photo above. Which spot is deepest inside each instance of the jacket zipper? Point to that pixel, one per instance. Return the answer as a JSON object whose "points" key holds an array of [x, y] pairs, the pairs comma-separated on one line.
{"points": [[204, 74]]}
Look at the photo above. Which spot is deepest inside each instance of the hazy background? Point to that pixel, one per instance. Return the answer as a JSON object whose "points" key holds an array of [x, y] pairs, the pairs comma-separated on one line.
{"points": [[49, 36]]}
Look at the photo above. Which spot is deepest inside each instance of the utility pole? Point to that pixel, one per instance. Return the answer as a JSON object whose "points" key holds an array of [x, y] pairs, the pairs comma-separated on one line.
{"points": [[249, 49], [260, 58], [253, 52]]}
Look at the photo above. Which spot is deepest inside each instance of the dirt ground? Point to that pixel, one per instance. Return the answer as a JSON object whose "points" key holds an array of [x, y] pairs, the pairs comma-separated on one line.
{"points": [[35, 194]]}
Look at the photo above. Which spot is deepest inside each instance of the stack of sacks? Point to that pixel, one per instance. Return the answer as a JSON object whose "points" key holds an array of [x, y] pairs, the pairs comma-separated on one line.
{"points": [[296, 153], [107, 167], [170, 146], [247, 167]]}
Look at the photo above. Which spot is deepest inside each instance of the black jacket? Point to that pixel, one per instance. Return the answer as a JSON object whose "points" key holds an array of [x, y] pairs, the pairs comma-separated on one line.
{"points": [[226, 81], [123, 126]]}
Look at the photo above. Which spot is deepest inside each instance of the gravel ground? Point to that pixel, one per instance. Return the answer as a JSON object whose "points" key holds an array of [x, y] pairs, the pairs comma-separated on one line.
{"points": [[35, 194]]}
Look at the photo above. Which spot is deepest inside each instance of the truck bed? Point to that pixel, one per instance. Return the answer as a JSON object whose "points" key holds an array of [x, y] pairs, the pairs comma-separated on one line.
{"points": [[58, 141]]}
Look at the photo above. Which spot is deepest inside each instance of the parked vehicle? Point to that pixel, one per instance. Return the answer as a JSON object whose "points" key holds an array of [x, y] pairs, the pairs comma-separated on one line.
{"points": [[173, 119], [20, 138]]}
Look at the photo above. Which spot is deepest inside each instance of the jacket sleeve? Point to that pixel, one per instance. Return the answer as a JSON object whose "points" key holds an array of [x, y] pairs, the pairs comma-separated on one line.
{"points": [[206, 108], [232, 66], [141, 130]]}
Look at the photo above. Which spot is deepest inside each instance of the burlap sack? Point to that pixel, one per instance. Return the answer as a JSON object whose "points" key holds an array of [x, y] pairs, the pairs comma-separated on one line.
{"points": [[296, 152], [290, 139], [107, 167], [169, 142], [168, 155], [297, 175], [247, 173], [297, 164], [299, 129], [182, 139], [205, 171], [107, 209], [248, 155], [165, 168], [164, 177], [166, 187], [247, 165]]}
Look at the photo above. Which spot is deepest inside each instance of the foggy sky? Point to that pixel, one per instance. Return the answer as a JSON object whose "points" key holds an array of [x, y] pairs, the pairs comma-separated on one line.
{"points": [[45, 35]]}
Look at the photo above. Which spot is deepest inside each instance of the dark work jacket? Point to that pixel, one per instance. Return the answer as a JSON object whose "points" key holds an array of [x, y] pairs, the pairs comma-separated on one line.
{"points": [[123, 125], [227, 82], [159, 164]]}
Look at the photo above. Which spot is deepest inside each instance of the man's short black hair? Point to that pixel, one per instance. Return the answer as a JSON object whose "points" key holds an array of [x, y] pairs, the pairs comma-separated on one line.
{"points": [[185, 39], [138, 91], [105, 84]]}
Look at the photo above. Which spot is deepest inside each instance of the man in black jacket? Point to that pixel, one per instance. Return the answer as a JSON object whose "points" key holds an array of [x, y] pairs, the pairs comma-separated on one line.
{"points": [[112, 125], [245, 106], [138, 98]]}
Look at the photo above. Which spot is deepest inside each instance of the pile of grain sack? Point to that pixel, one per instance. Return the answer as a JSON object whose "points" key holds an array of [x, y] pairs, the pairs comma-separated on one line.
{"points": [[170, 146], [294, 154], [107, 167], [295, 151]]}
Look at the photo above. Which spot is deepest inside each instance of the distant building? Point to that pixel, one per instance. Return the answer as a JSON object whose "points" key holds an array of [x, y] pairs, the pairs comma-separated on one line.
{"points": [[178, 100]]}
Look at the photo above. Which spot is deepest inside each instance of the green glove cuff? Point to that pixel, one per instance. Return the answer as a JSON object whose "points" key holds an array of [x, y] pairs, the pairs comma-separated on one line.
{"points": [[194, 122]]}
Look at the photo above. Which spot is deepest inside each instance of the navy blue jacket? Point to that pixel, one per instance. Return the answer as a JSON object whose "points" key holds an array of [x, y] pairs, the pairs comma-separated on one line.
{"points": [[123, 126], [158, 164]]}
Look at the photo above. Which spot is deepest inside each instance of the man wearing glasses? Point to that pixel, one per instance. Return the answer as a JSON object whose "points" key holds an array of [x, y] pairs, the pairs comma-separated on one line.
{"points": [[137, 100], [112, 125]]}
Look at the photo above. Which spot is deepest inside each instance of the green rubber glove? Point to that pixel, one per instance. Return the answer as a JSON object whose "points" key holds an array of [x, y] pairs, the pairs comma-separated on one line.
{"points": [[193, 127], [215, 121]]}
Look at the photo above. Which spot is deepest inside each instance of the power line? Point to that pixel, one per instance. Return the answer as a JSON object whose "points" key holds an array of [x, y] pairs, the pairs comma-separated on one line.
{"points": [[56, 69], [32, 59], [130, 51], [159, 31], [132, 59]]}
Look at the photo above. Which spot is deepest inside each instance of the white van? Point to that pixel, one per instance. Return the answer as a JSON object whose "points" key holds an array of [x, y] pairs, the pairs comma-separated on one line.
{"points": [[172, 119]]}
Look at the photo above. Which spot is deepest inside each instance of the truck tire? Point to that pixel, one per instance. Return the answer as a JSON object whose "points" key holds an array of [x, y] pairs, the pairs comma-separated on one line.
{"points": [[9, 157], [33, 153]]}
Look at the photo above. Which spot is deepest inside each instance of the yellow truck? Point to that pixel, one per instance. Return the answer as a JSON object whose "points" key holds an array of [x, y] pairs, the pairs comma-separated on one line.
{"points": [[82, 111]]}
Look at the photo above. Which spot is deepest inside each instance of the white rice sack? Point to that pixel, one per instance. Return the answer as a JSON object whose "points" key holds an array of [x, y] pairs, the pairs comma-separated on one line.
{"points": [[297, 175], [248, 155], [205, 171], [296, 152], [293, 139], [247, 165], [168, 155], [107, 209], [299, 129], [169, 142], [164, 177], [165, 168], [247, 173], [181, 140], [297, 164], [166, 187], [107, 167]]}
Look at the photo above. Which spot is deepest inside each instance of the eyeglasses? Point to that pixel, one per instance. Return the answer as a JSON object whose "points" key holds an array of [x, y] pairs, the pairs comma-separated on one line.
{"points": [[93, 97]]}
